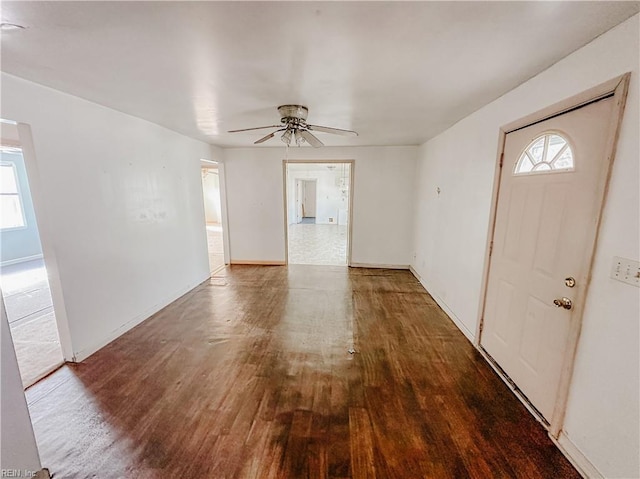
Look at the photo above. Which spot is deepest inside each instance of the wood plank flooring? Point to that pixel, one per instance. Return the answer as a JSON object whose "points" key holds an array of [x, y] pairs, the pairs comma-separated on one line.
{"points": [[249, 376]]}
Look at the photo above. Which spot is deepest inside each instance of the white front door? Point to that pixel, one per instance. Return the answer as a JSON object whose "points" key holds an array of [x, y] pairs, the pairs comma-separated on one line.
{"points": [[550, 197]]}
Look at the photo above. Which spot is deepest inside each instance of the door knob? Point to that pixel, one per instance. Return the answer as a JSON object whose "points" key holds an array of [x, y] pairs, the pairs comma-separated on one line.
{"points": [[563, 303]]}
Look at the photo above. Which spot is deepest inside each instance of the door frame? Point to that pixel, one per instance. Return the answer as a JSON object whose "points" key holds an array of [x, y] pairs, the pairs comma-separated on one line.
{"points": [[222, 193], [224, 211], [46, 240], [352, 165], [616, 88]]}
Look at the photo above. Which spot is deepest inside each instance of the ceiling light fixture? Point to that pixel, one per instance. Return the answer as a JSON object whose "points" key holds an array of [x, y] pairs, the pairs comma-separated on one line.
{"points": [[294, 123], [286, 136], [292, 132], [10, 27]]}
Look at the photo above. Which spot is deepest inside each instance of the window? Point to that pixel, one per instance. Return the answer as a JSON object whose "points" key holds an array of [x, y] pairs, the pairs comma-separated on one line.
{"points": [[547, 153], [12, 214]]}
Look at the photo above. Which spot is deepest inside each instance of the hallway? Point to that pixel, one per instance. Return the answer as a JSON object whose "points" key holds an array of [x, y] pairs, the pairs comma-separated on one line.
{"points": [[29, 307], [305, 371], [215, 246]]}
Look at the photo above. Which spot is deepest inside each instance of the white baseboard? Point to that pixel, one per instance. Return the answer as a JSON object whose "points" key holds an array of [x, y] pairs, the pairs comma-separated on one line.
{"points": [[563, 443], [258, 262], [9, 262], [576, 457], [471, 337], [379, 266], [511, 385], [83, 354], [415, 273], [459, 324]]}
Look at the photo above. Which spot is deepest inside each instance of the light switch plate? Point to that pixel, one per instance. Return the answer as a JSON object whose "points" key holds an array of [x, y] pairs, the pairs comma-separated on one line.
{"points": [[626, 270]]}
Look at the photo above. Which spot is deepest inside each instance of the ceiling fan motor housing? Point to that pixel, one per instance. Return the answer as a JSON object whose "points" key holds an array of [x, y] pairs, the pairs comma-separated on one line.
{"points": [[293, 114]]}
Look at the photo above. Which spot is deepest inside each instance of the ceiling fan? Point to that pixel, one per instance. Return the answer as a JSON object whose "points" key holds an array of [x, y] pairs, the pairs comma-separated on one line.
{"points": [[295, 127]]}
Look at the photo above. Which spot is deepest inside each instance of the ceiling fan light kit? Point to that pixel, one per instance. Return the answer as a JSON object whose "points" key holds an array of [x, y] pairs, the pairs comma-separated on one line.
{"points": [[294, 121]]}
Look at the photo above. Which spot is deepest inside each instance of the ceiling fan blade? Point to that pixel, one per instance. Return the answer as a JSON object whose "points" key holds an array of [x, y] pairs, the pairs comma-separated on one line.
{"points": [[257, 128], [312, 140], [335, 131], [268, 137], [265, 138]]}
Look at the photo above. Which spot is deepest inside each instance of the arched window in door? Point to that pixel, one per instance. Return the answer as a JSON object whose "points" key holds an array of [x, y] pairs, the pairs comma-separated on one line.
{"points": [[547, 153]]}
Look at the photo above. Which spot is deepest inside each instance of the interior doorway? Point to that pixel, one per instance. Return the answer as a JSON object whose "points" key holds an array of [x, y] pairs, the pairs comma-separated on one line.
{"points": [[213, 215], [24, 280], [306, 199], [318, 211]]}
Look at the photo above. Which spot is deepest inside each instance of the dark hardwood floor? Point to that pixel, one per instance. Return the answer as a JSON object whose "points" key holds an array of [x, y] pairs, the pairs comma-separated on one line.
{"points": [[250, 375]]}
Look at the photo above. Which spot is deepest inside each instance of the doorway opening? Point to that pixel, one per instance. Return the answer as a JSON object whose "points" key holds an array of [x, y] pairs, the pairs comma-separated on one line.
{"points": [[318, 212], [26, 291], [213, 215]]}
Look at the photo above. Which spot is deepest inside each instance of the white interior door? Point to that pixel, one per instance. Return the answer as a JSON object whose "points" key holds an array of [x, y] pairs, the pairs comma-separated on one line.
{"points": [[299, 197], [551, 191], [310, 198]]}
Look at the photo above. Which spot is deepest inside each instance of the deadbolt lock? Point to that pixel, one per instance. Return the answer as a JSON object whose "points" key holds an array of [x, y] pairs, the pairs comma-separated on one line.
{"points": [[563, 303], [570, 282]]}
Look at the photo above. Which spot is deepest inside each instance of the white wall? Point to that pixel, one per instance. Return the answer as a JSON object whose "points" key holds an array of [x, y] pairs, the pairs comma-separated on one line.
{"points": [[451, 229], [382, 202], [18, 444], [124, 209]]}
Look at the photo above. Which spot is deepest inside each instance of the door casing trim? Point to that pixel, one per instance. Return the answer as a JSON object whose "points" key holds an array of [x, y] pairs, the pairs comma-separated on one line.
{"points": [[617, 88], [352, 166], [46, 240]]}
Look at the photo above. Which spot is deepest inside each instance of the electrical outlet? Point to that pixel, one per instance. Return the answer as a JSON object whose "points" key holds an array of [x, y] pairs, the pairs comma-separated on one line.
{"points": [[626, 270]]}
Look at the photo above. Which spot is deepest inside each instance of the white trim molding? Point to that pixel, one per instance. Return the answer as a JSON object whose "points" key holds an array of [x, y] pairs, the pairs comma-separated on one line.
{"points": [[380, 266], [459, 324], [79, 356], [258, 262], [10, 262], [576, 457]]}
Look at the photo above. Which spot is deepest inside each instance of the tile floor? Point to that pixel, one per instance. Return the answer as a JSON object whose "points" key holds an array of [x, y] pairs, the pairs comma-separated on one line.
{"points": [[215, 245], [29, 307], [318, 244]]}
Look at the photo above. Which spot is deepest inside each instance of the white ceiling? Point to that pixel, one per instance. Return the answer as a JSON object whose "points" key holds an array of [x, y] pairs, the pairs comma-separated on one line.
{"points": [[397, 72]]}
